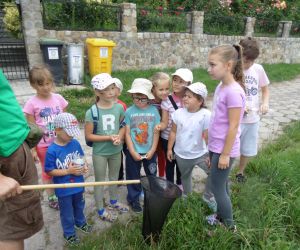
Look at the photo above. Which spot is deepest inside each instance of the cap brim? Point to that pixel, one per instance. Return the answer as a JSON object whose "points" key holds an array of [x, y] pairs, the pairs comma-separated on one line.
{"points": [[72, 131], [183, 78]]}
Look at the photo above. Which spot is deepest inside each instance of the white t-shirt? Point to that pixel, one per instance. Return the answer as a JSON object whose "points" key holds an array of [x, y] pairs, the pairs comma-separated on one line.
{"points": [[255, 78], [189, 142]]}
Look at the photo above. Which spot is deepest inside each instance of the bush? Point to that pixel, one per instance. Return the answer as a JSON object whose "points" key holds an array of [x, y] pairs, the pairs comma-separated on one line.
{"points": [[12, 20]]}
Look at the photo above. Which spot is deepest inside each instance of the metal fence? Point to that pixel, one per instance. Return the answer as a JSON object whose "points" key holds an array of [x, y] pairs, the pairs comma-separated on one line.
{"points": [[13, 58], [266, 27]]}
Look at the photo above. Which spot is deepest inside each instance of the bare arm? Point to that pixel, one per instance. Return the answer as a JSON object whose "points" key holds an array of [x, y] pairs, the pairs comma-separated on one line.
{"points": [[171, 142], [264, 108], [31, 119], [154, 146], [164, 121], [8, 187], [205, 136], [73, 169]]}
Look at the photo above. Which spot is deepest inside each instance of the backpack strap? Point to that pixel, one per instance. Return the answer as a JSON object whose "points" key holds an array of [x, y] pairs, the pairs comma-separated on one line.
{"points": [[95, 116], [173, 102]]}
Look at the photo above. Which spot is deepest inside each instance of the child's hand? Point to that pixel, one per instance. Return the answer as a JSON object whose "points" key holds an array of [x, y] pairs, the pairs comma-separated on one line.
{"points": [[223, 161], [264, 108], [136, 156], [170, 155], [115, 139], [85, 169], [208, 161], [74, 170], [157, 128], [149, 155]]}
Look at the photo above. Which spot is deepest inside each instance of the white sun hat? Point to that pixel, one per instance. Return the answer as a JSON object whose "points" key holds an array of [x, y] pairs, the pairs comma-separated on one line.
{"points": [[119, 84], [68, 123], [184, 74], [102, 81], [198, 88], [142, 86]]}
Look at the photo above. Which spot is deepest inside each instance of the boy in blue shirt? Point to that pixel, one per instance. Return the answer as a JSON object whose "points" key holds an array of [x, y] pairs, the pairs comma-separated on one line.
{"points": [[141, 119], [60, 163]]}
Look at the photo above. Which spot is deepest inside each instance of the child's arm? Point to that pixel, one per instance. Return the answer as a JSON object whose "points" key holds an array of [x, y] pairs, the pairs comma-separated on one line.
{"points": [[171, 141], [164, 121], [31, 119], [264, 108], [135, 155], [72, 169], [205, 136], [234, 122], [88, 132]]}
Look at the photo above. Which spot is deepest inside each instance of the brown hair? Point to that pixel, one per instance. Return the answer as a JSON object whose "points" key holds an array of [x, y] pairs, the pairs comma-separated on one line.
{"points": [[198, 97], [233, 53], [159, 76], [250, 48], [39, 74]]}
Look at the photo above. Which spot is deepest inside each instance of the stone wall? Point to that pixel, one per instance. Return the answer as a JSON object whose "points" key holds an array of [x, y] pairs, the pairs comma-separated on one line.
{"points": [[146, 50]]}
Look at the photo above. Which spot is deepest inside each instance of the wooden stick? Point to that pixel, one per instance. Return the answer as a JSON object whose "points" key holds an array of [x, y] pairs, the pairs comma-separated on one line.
{"points": [[81, 184]]}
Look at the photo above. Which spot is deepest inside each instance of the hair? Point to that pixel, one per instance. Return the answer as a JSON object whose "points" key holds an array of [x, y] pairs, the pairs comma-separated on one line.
{"points": [[158, 77], [250, 48], [39, 74], [232, 53], [198, 97]]}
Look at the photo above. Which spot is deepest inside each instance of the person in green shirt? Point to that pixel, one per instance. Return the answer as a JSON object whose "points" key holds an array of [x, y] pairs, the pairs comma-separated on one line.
{"points": [[20, 212]]}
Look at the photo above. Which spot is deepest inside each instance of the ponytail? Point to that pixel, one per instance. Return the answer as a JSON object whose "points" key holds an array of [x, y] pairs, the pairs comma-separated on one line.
{"points": [[237, 70]]}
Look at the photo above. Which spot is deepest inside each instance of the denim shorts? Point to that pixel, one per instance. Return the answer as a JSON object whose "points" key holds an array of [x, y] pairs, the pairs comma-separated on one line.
{"points": [[20, 216], [249, 139]]}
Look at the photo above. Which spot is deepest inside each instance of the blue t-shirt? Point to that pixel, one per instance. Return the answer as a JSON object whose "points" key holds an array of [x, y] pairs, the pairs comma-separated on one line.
{"points": [[59, 157], [141, 123]]}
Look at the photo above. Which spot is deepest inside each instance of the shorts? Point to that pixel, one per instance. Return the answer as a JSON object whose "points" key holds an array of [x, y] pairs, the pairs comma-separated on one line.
{"points": [[20, 216], [41, 153], [249, 139]]}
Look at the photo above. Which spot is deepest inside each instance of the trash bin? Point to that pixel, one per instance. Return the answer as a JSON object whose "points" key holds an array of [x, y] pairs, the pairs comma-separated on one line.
{"points": [[159, 195], [99, 55], [51, 49], [75, 63]]}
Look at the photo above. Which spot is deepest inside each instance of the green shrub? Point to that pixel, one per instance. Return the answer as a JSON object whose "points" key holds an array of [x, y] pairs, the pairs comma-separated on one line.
{"points": [[12, 20]]}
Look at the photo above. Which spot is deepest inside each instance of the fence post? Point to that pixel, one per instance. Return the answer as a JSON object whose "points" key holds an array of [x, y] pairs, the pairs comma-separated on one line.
{"points": [[128, 24], [249, 28], [284, 28], [32, 23], [197, 22]]}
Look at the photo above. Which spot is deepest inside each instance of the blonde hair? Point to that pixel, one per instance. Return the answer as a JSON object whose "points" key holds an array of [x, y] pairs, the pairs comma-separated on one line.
{"points": [[232, 53], [158, 77], [39, 74]]}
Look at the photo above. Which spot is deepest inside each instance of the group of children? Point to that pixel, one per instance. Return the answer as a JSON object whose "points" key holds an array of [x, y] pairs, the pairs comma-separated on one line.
{"points": [[160, 130]]}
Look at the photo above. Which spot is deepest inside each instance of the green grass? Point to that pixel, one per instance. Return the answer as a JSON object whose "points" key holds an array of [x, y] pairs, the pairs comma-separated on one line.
{"points": [[266, 210], [81, 100]]}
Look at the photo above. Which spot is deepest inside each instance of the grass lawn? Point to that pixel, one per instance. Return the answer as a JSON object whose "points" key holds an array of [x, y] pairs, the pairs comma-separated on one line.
{"points": [[266, 210], [81, 100]]}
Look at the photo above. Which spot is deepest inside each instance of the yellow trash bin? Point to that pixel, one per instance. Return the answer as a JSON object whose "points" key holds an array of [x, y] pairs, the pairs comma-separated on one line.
{"points": [[99, 55]]}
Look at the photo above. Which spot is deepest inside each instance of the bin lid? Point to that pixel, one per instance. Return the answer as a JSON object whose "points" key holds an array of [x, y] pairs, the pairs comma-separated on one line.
{"points": [[50, 41], [100, 42]]}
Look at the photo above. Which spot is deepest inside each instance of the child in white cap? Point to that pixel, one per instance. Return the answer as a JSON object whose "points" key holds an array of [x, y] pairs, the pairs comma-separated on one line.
{"points": [[189, 134], [62, 163], [107, 142], [141, 119], [180, 79]]}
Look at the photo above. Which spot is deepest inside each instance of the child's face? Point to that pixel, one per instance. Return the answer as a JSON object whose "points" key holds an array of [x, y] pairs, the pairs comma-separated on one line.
{"points": [[108, 94], [247, 63], [43, 89], [117, 92], [162, 89], [217, 69], [62, 136], [178, 84], [191, 102], [140, 100]]}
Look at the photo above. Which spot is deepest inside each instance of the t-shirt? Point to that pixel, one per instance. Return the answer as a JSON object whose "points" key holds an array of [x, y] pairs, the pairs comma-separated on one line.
{"points": [[255, 78], [141, 123], [168, 106], [108, 124], [59, 157], [123, 104], [44, 112], [13, 124], [190, 126], [225, 97]]}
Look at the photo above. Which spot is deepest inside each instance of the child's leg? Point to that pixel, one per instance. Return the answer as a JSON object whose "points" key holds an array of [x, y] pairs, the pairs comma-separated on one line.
{"points": [[219, 181], [202, 163], [186, 167], [78, 206], [161, 159], [100, 165], [67, 215], [178, 174], [170, 165], [114, 162], [150, 166]]}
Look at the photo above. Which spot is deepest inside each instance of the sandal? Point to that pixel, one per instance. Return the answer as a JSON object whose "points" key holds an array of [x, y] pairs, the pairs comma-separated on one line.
{"points": [[53, 202], [107, 216], [240, 178], [122, 208]]}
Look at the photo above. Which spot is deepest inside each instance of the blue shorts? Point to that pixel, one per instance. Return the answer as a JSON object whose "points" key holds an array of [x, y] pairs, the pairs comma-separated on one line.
{"points": [[249, 139]]}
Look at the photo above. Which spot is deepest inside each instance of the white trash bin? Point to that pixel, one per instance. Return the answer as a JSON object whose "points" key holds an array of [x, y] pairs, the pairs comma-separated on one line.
{"points": [[75, 63]]}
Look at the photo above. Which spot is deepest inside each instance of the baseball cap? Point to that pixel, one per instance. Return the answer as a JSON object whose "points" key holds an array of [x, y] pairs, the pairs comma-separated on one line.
{"points": [[68, 123], [102, 81], [184, 74], [119, 84], [198, 88], [142, 86]]}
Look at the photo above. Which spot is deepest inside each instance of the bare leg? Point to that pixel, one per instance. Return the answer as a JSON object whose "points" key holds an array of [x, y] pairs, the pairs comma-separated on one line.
{"points": [[12, 245], [243, 163]]}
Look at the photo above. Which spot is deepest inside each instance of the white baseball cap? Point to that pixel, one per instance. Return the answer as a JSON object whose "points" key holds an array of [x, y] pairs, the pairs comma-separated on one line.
{"points": [[68, 123], [198, 88], [119, 84], [142, 86], [184, 74], [102, 81]]}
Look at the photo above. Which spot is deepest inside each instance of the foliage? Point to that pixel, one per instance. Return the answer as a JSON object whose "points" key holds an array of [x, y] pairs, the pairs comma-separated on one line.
{"points": [[12, 20]]}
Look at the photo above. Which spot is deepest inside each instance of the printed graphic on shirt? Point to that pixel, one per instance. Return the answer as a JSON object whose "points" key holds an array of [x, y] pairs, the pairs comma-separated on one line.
{"points": [[69, 157], [47, 115], [251, 93], [108, 123], [140, 127]]}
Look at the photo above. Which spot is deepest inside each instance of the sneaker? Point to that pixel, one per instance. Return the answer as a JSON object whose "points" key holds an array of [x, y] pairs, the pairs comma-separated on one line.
{"points": [[85, 228], [240, 178], [122, 208], [213, 220], [107, 216], [211, 203], [53, 202], [136, 207], [72, 240]]}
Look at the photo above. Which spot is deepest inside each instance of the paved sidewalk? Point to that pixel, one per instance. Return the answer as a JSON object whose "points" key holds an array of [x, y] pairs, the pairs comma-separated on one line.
{"points": [[284, 108]]}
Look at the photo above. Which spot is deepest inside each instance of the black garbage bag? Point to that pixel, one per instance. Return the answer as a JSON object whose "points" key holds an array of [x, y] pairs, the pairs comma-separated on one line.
{"points": [[159, 195]]}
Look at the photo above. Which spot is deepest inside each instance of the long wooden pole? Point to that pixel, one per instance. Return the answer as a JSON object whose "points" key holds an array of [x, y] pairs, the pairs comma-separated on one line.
{"points": [[80, 184]]}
